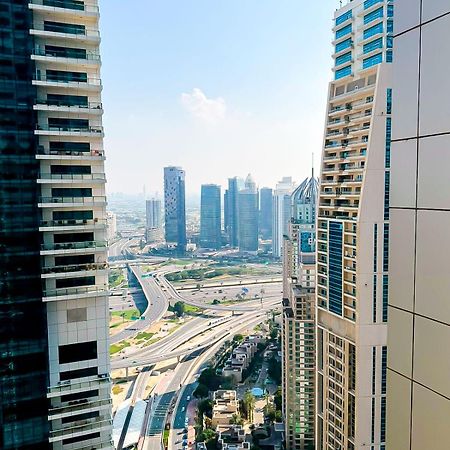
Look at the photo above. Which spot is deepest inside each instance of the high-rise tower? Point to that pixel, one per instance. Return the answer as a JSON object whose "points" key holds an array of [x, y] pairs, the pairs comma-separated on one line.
{"points": [[281, 213], [54, 350], [153, 220], [418, 400], [175, 207], [232, 210], [299, 374], [210, 217], [265, 212], [353, 232], [248, 217]]}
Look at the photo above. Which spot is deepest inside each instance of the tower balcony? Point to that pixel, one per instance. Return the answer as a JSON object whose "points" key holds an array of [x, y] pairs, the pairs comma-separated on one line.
{"points": [[72, 225], [51, 178], [91, 83], [70, 202], [65, 9], [52, 271], [85, 59], [75, 293], [92, 108], [70, 155], [45, 130], [66, 32], [66, 248]]}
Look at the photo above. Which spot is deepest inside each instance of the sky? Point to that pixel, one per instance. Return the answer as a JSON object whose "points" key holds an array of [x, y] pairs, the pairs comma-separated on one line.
{"points": [[220, 87]]}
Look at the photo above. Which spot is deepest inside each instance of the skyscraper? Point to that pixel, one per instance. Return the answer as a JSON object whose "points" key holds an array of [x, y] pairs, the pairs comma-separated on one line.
{"points": [[54, 349], [298, 338], [248, 217], [232, 210], [153, 220], [281, 213], [210, 217], [353, 232], [265, 212], [418, 400], [174, 207]]}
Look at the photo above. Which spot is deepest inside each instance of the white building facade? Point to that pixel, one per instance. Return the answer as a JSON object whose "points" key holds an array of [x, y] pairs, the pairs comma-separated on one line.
{"points": [[353, 232], [73, 220]]}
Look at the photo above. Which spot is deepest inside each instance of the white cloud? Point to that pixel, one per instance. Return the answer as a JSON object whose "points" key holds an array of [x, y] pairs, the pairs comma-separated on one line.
{"points": [[210, 110]]}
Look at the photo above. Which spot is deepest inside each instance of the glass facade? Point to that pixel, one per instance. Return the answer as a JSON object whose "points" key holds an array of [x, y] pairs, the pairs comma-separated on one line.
{"points": [[343, 31], [372, 31], [335, 267], [210, 217], [342, 18], [377, 14], [372, 61], [23, 334], [341, 73], [343, 45]]}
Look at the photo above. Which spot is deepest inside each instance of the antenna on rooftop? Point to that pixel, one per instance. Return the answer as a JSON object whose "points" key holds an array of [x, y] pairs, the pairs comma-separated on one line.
{"points": [[312, 165]]}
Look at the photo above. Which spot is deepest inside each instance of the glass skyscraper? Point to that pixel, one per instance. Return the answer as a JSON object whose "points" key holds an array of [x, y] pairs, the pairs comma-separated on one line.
{"points": [[265, 212], [175, 207], [248, 217], [210, 217], [231, 207]]}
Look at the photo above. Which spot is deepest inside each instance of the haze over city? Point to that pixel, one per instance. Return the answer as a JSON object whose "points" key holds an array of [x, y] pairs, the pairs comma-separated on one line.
{"points": [[219, 88]]}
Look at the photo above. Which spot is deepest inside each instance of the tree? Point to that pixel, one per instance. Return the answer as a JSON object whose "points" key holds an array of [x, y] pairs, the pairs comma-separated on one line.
{"points": [[274, 370], [179, 308], [201, 391], [204, 407], [238, 338], [236, 419], [249, 401], [215, 301]]}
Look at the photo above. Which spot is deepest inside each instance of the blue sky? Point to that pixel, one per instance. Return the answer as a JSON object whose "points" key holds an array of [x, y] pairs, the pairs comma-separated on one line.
{"points": [[220, 87]]}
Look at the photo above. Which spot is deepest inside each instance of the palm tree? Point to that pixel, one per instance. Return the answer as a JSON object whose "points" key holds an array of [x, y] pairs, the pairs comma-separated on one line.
{"points": [[249, 402]]}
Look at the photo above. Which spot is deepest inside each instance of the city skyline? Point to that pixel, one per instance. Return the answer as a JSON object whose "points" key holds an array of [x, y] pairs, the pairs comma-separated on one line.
{"points": [[212, 93]]}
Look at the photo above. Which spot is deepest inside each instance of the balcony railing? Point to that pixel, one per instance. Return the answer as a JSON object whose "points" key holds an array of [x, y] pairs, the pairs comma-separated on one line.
{"points": [[61, 103], [70, 129], [74, 245], [72, 222], [78, 406], [74, 268], [66, 4], [96, 424], [73, 177], [59, 152], [86, 200], [84, 56], [95, 290], [67, 29], [90, 81]]}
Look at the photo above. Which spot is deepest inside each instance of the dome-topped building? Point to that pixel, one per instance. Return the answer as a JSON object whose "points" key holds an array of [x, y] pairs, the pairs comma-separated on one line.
{"points": [[304, 201]]}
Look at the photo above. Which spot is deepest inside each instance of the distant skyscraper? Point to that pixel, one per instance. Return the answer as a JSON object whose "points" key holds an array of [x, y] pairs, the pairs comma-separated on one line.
{"points": [[353, 232], [265, 212], [281, 213], [210, 217], [54, 332], [248, 217], [175, 207], [153, 219], [232, 210], [299, 319], [418, 388], [111, 226]]}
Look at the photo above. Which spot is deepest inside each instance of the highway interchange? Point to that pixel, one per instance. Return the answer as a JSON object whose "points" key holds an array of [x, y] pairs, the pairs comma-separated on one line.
{"points": [[190, 346]]}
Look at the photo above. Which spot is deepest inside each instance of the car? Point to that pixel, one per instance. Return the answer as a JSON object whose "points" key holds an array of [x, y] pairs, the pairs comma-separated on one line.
{"points": [[184, 442], [188, 397], [182, 409], [185, 430], [185, 436]]}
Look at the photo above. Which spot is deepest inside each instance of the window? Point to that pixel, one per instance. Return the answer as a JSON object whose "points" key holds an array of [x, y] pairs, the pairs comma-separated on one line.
{"points": [[390, 10], [372, 61], [374, 300], [375, 247], [64, 76], [386, 247], [378, 13], [341, 73], [79, 396], [82, 351], [84, 437], [342, 18], [385, 297], [370, 3], [372, 31], [390, 26], [67, 100], [343, 45], [71, 192], [76, 315], [79, 373], [74, 282], [335, 267], [59, 27], [389, 101], [383, 420], [83, 416], [383, 369], [81, 147], [373, 45], [346, 57], [389, 56], [343, 31], [388, 143]]}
